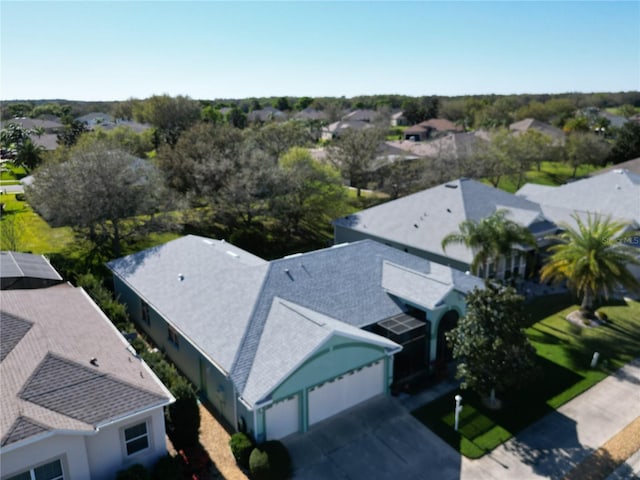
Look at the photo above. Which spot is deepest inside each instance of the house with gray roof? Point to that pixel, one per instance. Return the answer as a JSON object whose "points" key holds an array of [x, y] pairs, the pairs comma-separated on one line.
{"points": [[417, 224], [335, 129], [614, 193], [527, 124], [77, 402], [278, 346]]}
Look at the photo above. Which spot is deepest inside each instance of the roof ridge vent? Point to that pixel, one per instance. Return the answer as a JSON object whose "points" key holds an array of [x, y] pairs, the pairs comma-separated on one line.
{"points": [[232, 254]]}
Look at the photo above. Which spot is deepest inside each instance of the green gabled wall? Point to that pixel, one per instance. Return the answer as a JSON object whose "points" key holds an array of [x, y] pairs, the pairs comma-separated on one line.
{"points": [[337, 356]]}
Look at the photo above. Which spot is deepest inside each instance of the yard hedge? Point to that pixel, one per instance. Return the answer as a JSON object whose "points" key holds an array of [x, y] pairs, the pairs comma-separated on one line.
{"points": [[270, 461]]}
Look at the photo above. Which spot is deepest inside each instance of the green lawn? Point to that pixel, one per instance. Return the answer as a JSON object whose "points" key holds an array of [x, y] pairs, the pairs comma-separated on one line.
{"points": [[564, 355], [551, 173], [31, 232]]}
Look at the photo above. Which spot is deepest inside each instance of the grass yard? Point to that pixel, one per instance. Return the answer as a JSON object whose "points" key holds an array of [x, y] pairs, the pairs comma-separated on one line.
{"points": [[24, 230], [564, 356], [551, 173]]}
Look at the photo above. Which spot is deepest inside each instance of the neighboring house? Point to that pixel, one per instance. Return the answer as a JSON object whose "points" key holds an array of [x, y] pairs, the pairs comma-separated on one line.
{"points": [[95, 119], [531, 124], [48, 126], [632, 166], [77, 402], [266, 114], [368, 116], [417, 224], [310, 114], [430, 129], [614, 120], [614, 194], [452, 145], [399, 120], [24, 270], [334, 130], [279, 346]]}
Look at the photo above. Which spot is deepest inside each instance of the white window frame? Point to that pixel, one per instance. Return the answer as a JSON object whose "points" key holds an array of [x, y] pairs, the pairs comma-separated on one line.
{"points": [[32, 473], [125, 442]]}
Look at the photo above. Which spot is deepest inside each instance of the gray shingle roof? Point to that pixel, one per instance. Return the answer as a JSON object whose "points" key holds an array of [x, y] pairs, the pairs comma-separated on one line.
{"points": [[47, 377], [615, 193], [423, 219], [225, 303], [22, 429], [13, 329], [84, 393]]}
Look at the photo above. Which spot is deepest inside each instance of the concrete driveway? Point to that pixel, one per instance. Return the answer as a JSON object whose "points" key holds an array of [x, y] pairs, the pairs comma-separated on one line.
{"points": [[378, 440]]}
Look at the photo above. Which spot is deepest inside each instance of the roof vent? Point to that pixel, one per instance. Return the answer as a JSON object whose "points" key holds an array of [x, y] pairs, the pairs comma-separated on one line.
{"points": [[449, 210], [233, 254], [451, 185], [180, 277], [94, 361]]}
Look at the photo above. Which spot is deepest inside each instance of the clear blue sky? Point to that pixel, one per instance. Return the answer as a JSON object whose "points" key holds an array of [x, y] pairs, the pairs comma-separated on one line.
{"points": [[87, 50]]}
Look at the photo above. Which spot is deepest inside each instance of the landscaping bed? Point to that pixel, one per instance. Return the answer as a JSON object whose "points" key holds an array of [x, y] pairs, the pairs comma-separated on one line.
{"points": [[565, 351]]}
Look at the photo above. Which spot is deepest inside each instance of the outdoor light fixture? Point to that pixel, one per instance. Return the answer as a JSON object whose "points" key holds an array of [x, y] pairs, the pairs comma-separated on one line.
{"points": [[458, 399]]}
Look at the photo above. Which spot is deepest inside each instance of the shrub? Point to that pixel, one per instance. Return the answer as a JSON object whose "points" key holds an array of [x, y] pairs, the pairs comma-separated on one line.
{"points": [[270, 461], [600, 315], [241, 447], [184, 414], [134, 472], [20, 197], [168, 468]]}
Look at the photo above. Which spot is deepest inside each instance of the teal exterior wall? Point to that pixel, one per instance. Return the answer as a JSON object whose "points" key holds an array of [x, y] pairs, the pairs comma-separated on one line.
{"points": [[339, 356], [214, 384]]}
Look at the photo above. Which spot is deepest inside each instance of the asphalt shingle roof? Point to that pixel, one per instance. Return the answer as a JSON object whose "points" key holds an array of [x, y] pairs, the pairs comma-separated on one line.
{"points": [[226, 304], [47, 382], [615, 193], [423, 219]]}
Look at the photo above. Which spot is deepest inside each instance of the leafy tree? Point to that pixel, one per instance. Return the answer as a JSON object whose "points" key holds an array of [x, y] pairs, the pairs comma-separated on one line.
{"points": [[211, 114], [310, 193], [303, 102], [71, 133], [202, 160], [102, 192], [282, 104], [592, 258], [170, 115], [404, 176], [626, 145], [490, 239], [355, 152], [21, 109], [29, 154], [577, 124], [489, 343], [586, 149], [276, 138], [417, 110], [137, 144], [237, 118], [627, 110]]}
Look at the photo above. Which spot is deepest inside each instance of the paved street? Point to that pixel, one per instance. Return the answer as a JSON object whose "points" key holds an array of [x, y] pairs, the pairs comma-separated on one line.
{"points": [[381, 440]]}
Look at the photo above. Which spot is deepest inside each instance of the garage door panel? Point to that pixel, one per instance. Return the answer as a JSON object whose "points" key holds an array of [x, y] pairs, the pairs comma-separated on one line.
{"points": [[346, 391], [282, 418]]}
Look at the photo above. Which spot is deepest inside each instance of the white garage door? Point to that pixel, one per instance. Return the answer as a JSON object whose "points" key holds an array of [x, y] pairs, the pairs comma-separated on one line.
{"points": [[282, 418], [346, 391]]}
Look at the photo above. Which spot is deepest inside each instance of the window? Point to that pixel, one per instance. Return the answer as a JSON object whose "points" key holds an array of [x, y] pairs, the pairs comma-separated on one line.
{"points": [[144, 306], [136, 438], [48, 471], [173, 337]]}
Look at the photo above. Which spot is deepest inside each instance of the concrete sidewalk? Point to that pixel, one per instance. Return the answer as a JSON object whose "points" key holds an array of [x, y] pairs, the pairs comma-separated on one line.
{"points": [[554, 445], [381, 439]]}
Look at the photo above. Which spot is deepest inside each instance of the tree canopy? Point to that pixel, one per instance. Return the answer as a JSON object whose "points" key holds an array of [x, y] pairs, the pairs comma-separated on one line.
{"points": [[593, 258], [489, 343], [102, 192]]}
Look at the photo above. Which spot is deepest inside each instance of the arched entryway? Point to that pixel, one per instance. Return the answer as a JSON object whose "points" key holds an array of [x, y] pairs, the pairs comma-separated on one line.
{"points": [[449, 320]]}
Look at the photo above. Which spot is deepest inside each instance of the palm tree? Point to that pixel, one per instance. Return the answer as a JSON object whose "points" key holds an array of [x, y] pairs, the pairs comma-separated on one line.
{"points": [[490, 239], [593, 258]]}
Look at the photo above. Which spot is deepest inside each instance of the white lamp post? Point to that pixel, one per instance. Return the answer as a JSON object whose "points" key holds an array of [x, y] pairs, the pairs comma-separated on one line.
{"points": [[458, 409]]}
